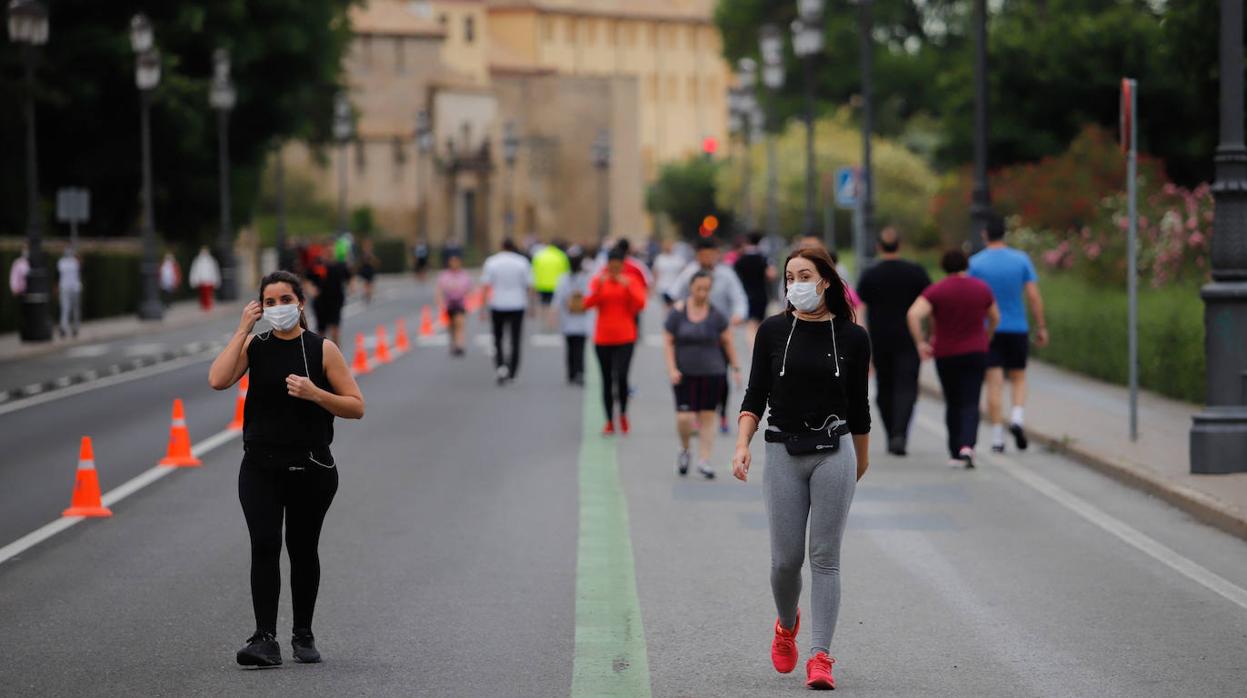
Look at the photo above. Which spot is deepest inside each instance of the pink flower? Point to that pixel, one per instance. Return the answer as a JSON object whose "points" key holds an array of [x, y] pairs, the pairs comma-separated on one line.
{"points": [[1196, 239], [1094, 250]]}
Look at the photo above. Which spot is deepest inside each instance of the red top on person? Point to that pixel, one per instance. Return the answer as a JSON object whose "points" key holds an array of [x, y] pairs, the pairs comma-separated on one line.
{"points": [[618, 299], [959, 307]]}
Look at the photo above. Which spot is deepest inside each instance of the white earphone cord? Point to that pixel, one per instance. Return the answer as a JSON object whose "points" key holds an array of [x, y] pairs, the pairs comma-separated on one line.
{"points": [[835, 353]]}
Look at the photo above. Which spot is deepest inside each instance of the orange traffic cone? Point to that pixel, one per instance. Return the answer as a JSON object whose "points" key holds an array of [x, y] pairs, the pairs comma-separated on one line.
{"points": [[383, 349], [86, 500], [426, 322], [401, 343], [179, 453], [240, 404], [360, 365]]}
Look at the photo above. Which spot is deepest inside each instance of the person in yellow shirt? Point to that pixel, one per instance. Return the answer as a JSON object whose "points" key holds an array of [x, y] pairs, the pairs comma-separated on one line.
{"points": [[550, 263]]}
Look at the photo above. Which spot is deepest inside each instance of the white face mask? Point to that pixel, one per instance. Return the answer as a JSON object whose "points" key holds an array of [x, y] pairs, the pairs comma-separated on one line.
{"points": [[804, 295], [282, 317]]}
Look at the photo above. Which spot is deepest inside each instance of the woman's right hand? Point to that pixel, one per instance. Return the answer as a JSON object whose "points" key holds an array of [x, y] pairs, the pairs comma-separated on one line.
{"points": [[741, 462], [676, 376], [250, 316]]}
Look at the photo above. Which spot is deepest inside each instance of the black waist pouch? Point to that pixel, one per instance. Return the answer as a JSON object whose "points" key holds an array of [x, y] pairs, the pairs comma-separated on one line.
{"points": [[807, 443]]}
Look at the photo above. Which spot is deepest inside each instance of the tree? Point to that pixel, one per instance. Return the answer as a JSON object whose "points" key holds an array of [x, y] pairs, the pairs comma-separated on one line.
{"points": [[685, 193], [286, 57]]}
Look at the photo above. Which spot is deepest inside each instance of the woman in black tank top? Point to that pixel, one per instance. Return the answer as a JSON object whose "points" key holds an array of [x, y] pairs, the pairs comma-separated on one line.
{"points": [[299, 382]]}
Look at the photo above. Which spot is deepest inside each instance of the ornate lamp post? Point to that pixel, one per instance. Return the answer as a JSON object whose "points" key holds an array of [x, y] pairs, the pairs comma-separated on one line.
{"points": [[742, 116], [980, 197], [424, 146], [771, 46], [343, 129], [147, 78], [28, 26], [602, 160], [510, 151], [1219, 433], [867, 206], [807, 43], [222, 98]]}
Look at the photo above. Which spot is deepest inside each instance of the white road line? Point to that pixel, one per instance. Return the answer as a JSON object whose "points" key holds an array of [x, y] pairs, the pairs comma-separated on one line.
{"points": [[1127, 533], [111, 497]]}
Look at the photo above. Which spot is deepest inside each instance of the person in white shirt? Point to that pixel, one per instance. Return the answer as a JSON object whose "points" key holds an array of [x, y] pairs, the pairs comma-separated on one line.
{"points": [[667, 266], [69, 275], [18, 273], [170, 277], [507, 278], [205, 276]]}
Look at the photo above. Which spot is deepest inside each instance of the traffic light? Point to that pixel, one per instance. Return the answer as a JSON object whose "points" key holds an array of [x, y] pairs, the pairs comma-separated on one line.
{"points": [[710, 146], [709, 224]]}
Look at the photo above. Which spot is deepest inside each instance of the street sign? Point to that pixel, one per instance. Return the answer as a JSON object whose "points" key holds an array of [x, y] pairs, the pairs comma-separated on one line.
{"points": [[73, 205], [846, 187]]}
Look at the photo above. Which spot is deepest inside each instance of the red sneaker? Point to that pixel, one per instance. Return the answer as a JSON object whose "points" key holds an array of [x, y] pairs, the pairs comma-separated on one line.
{"points": [[623, 423], [784, 647], [818, 672], [609, 429]]}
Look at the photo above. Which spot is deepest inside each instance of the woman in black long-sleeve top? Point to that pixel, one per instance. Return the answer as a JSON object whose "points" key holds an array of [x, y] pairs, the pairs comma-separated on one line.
{"points": [[810, 367]]}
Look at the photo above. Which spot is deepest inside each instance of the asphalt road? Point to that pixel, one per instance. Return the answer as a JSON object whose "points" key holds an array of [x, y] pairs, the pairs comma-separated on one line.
{"points": [[450, 565]]}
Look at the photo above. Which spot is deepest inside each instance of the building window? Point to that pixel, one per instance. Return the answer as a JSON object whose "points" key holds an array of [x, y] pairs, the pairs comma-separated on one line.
{"points": [[469, 29], [692, 38], [652, 88], [571, 25], [361, 158], [365, 51], [443, 20], [652, 34], [547, 28], [400, 56], [692, 89], [591, 31], [629, 34], [400, 158], [673, 88]]}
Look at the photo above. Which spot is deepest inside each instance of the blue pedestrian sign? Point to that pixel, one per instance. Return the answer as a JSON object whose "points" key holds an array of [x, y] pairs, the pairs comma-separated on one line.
{"points": [[846, 187]]}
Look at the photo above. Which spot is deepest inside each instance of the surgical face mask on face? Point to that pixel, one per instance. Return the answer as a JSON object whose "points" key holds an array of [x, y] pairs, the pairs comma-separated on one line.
{"points": [[282, 317], [804, 295]]}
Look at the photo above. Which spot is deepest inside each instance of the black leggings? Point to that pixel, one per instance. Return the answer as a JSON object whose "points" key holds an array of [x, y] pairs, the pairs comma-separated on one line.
{"points": [[616, 361], [502, 319], [269, 486], [961, 378]]}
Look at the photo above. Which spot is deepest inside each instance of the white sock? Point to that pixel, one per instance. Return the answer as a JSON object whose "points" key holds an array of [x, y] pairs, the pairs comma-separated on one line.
{"points": [[998, 434], [1016, 417]]}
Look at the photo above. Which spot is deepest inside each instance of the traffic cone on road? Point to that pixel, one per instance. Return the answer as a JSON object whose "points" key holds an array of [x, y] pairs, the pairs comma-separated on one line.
{"points": [[401, 343], [383, 349], [426, 322], [179, 453], [360, 366], [86, 499], [443, 318], [239, 405]]}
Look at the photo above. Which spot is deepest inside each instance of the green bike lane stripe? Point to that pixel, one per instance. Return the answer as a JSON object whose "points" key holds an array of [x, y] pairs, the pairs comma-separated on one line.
{"points": [[610, 656]]}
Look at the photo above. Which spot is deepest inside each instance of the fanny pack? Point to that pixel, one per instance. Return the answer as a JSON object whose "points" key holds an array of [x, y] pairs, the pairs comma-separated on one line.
{"points": [[825, 439]]}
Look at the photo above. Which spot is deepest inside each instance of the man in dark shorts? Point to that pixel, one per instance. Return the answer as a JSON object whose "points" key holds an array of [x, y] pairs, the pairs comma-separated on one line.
{"points": [[1011, 276], [420, 253], [887, 290], [756, 274], [330, 278]]}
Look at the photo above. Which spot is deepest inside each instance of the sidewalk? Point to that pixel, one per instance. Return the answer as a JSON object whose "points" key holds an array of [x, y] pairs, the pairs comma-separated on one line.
{"points": [[1088, 420], [178, 315]]}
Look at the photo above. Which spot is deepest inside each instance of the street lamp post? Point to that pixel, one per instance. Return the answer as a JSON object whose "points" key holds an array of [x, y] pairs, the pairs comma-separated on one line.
{"points": [[807, 43], [343, 127], [28, 25], [602, 160], [743, 116], [222, 99], [771, 46], [981, 198], [424, 146], [1219, 433], [510, 151], [147, 78], [866, 226]]}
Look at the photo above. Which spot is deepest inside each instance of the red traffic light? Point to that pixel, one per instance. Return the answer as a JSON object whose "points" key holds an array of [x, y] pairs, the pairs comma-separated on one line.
{"points": [[710, 145]]}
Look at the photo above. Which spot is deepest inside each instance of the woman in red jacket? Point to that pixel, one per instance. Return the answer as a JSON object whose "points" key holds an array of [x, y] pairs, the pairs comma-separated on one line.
{"points": [[618, 300]]}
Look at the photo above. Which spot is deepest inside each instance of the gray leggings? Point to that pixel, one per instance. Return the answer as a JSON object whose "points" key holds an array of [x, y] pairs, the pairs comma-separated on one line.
{"points": [[820, 488]]}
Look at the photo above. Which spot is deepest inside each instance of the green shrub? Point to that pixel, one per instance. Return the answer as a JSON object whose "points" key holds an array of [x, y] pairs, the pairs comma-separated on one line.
{"points": [[1088, 325], [391, 255]]}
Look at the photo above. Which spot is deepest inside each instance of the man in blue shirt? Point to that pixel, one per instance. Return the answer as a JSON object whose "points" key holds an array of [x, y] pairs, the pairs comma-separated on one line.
{"points": [[1013, 281]]}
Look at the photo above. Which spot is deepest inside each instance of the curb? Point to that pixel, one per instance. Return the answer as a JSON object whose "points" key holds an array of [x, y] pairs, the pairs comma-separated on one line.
{"points": [[1199, 505]]}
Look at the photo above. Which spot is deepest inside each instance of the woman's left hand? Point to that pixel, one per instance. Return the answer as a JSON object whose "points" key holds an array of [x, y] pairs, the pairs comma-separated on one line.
{"points": [[301, 387]]}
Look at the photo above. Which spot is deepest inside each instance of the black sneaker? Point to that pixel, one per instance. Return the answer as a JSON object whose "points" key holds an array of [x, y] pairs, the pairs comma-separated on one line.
{"points": [[998, 448], [304, 646], [262, 650], [896, 446], [682, 463], [1019, 435], [967, 456]]}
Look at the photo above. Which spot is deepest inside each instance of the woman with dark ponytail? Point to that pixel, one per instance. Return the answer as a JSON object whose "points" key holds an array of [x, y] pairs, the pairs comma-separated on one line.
{"points": [[299, 382], [810, 368]]}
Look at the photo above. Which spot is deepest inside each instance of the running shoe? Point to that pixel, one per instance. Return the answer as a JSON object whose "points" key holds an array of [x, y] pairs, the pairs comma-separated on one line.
{"points": [[609, 429], [262, 650], [623, 424], [304, 646], [966, 456], [1019, 436], [784, 646], [998, 448], [896, 445], [723, 425], [502, 374], [704, 468], [818, 672], [682, 462]]}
